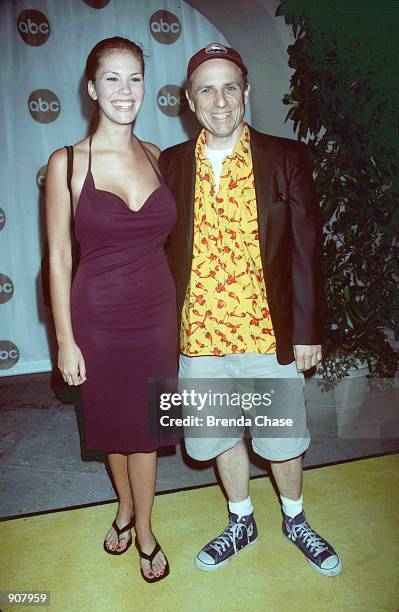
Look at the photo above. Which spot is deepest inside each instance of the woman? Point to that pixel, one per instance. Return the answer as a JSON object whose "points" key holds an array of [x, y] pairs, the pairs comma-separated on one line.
{"points": [[116, 326]]}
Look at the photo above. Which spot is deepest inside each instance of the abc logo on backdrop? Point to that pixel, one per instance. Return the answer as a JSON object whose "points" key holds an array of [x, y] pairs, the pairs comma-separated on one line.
{"points": [[9, 354], [97, 4], [165, 27], [6, 288], [172, 100], [41, 178], [44, 106], [33, 27]]}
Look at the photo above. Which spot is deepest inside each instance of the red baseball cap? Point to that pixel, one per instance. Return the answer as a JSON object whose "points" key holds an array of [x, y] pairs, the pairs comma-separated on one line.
{"points": [[218, 51]]}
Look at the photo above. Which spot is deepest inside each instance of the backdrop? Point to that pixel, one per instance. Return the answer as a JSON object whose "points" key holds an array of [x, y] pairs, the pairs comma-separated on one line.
{"points": [[44, 46]]}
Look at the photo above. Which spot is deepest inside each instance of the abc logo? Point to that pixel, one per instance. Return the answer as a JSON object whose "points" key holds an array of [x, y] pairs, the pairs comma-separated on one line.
{"points": [[41, 178], [6, 289], [9, 354], [97, 4], [165, 27], [2, 218], [172, 100], [33, 27], [44, 106]]}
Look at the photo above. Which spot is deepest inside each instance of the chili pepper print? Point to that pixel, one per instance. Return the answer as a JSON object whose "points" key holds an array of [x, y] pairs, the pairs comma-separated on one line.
{"points": [[222, 336], [211, 274], [198, 299], [237, 316], [233, 296], [227, 276], [254, 320], [208, 336], [217, 351], [232, 328], [267, 331]]}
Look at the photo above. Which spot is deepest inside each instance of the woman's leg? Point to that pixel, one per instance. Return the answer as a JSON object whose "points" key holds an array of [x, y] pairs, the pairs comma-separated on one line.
{"points": [[142, 468], [119, 468]]}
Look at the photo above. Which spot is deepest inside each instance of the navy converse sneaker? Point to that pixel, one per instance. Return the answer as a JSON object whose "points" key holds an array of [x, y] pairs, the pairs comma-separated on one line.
{"points": [[320, 554], [238, 535]]}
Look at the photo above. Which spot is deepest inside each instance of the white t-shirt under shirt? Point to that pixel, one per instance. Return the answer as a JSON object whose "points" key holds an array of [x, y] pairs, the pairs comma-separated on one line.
{"points": [[216, 158]]}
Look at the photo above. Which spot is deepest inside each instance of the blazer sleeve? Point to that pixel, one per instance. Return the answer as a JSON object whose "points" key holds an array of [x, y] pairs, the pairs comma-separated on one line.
{"points": [[162, 162], [306, 254], [164, 167]]}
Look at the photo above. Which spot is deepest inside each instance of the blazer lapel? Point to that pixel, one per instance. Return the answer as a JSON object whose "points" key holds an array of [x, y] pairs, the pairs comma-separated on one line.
{"points": [[188, 194], [263, 167]]}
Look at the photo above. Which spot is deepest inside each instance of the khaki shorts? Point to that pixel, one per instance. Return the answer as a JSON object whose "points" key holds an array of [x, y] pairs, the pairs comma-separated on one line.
{"points": [[240, 393]]}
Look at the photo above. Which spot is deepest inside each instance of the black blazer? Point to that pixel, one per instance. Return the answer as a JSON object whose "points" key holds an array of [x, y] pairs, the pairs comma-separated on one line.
{"points": [[290, 235]]}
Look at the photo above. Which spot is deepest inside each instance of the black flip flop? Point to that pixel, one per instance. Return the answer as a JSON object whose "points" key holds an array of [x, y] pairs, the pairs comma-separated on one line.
{"points": [[119, 533], [150, 558]]}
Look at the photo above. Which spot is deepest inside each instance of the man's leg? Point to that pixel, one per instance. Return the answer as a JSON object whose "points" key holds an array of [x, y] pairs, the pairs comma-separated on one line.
{"points": [[233, 466], [288, 477], [229, 450], [286, 460], [320, 554]]}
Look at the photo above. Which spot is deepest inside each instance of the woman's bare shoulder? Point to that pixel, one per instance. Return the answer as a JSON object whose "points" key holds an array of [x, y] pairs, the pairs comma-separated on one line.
{"points": [[58, 160], [152, 148], [58, 157]]}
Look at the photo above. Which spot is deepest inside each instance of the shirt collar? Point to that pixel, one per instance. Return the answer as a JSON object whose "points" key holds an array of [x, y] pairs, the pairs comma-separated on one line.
{"points": [[242, 149]]}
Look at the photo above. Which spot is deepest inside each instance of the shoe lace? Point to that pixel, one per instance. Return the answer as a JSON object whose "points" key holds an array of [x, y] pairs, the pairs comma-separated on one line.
{"points": [[229, 537], [310, 538]]}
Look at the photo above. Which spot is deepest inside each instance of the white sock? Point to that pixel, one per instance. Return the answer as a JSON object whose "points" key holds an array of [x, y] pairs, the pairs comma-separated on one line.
{"points": [[292, 507], [241, 508]]}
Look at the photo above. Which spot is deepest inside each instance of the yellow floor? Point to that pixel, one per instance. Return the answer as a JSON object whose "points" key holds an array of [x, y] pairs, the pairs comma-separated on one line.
{"points": [[355, 505]]}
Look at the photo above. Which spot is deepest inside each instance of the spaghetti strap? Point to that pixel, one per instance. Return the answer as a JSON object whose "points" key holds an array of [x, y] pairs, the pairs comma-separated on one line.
{"points": [[160, 177]]}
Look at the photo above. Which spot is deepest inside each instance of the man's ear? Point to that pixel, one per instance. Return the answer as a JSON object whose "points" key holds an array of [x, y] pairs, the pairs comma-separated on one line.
{"points": [[190, 101], [246, 93], [92, 90]]}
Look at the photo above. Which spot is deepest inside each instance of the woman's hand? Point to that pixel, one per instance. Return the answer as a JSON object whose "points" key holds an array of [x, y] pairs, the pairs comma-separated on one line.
{"points": [[71, 364]]}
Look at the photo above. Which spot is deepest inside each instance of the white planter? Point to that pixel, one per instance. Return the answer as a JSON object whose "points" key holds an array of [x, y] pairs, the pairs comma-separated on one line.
{"points": [[335, 412]]}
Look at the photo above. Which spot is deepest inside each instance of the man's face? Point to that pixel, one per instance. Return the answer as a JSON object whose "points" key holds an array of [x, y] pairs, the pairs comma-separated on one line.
{"points": [[217, 95]]}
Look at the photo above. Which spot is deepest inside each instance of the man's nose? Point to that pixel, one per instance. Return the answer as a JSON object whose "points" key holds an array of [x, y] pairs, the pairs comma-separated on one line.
{"points": [[220, 100]]}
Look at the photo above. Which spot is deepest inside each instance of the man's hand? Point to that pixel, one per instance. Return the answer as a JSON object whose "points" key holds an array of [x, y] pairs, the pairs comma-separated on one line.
{"points": [[306, 356]]}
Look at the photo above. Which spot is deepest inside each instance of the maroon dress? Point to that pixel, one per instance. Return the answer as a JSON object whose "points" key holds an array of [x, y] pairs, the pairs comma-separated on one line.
{"points": [[123, 306]]}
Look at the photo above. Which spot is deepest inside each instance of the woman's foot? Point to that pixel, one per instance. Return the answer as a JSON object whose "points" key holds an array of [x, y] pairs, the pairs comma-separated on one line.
{"points": [[147, 543], [113, 542]]}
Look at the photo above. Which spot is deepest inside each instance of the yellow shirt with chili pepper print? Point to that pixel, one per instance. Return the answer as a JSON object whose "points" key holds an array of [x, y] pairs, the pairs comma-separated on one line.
{"points": [[225, 309]]}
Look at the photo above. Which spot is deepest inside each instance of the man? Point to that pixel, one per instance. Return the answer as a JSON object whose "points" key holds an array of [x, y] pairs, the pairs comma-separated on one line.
{"points": [[245, 256]]}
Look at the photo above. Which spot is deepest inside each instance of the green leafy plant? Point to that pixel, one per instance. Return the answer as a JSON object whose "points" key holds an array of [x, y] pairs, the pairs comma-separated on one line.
{"points": [[344, 102]]}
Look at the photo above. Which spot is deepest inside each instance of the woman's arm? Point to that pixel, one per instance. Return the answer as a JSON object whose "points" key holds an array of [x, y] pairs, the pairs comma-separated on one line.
{"points": [[70, 359]]}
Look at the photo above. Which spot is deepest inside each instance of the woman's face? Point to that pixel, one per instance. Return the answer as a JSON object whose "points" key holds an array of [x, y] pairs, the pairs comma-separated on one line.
{"points": [[119, 86]]}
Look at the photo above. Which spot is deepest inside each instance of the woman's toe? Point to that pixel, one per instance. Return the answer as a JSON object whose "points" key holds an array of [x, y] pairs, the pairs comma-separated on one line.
{"points": [[110, 541], [148, 573], [121, 545], [159, 564]]}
